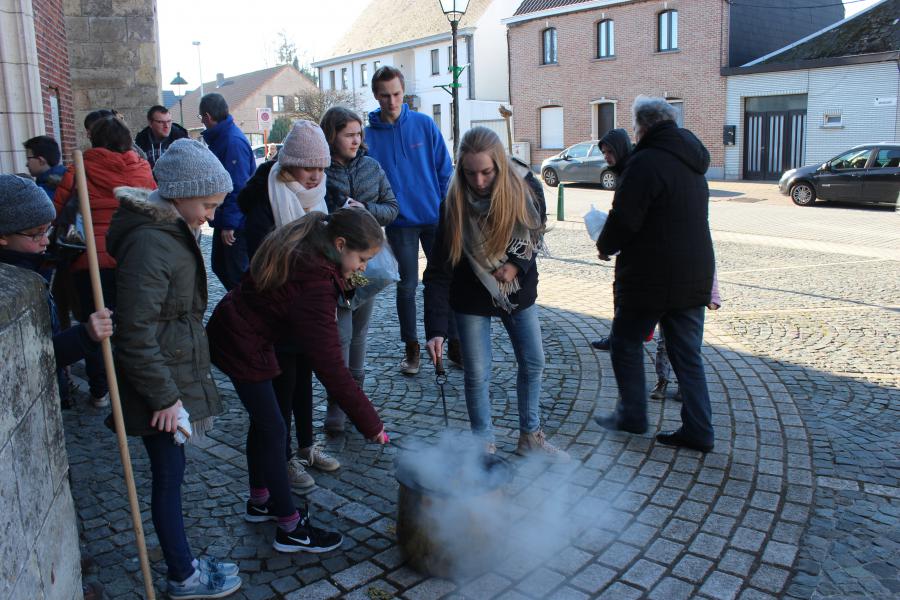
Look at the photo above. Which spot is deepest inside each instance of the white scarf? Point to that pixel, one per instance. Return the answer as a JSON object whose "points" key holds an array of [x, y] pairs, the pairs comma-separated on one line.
{"points": [[290, 200]]}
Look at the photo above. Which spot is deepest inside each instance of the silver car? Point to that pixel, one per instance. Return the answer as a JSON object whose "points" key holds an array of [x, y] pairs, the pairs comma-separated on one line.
{"points": [[581, 163]]}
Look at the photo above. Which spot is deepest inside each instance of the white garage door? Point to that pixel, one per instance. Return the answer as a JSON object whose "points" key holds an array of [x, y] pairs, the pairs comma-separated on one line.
{"points": [[498, 126], [552, 127]]}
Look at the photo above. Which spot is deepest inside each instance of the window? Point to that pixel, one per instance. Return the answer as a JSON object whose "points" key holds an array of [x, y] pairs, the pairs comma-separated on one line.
{"points": [[376, 65], [606, 42], [855, 159], [579, 151], [449, 58], [549, 46], [345, 80], [678, 105], [363, 75], [888, 158], [435, 62], [833, 119], [552, 127], [332, 80], [595, 151], [668, 31], [278, 103], [436, 114]]}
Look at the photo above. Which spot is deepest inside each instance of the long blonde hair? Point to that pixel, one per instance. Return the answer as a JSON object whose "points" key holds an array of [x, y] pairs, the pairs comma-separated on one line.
{"points": [[309, 236], [510, 197]]}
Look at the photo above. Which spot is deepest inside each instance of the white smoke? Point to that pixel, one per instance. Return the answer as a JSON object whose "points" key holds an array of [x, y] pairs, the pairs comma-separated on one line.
{"points": [[475, 520]]}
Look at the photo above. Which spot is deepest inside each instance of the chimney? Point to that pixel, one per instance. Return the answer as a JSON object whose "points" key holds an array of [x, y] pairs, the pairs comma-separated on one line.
{"points": [[220, 79]]}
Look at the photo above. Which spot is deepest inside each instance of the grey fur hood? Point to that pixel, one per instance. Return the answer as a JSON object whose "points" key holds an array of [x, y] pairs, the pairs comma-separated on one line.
{"points": [[139, 207]]}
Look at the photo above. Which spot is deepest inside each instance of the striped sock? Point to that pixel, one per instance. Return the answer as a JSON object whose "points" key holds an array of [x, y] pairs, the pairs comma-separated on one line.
{"points": [[259, 496], [289, 523]]}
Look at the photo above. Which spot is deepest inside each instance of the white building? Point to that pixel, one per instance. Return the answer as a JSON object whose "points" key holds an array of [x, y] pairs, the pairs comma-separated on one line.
{"points": [[807, 102], [414, 36]]}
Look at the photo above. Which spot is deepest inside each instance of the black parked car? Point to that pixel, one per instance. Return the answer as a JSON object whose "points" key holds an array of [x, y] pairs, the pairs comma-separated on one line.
{"points": [[866, 174]]}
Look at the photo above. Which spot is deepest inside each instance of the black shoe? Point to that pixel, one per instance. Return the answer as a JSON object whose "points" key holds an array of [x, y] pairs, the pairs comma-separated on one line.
{"points": [[306, 538], [676, 438], [259, 514], [612, 423], [601, 344], [659, 392], [454, 352]]}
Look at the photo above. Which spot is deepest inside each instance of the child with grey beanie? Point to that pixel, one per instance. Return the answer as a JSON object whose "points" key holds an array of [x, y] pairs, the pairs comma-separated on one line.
{"points": [[162, 356], [26, 215]]}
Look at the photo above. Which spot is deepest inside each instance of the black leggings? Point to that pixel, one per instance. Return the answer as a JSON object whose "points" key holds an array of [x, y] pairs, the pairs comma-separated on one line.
{"points": [[293, 388]]}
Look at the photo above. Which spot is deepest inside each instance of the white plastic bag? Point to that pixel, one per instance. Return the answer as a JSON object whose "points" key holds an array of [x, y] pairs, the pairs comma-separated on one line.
{"points": [[381, 271], [594, 220]]}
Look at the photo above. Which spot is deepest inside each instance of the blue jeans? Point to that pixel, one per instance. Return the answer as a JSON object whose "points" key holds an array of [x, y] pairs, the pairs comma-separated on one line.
{"points": [[405, 244], [266, 453], [524, 331], [167, 468], [229, 262], [683, 331]]}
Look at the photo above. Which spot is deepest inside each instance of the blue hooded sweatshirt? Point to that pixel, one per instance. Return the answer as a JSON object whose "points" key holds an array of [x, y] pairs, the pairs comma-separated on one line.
{"points": [[413, 154], [231, 147]]}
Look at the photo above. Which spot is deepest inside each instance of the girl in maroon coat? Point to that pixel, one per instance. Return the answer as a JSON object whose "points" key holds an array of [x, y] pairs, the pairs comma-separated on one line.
{"points": [[290, 294]]}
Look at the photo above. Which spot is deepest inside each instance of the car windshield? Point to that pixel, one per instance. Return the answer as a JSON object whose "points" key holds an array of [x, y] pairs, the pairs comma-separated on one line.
{"points": [[578, 151], [854, 159]]}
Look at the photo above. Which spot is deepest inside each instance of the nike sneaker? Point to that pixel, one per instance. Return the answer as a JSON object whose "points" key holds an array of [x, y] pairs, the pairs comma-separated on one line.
{"points": [[259, 513], [306, 538]]}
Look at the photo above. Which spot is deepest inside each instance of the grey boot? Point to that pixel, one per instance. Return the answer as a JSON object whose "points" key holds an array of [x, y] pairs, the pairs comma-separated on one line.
{"points": [[334, 418]]}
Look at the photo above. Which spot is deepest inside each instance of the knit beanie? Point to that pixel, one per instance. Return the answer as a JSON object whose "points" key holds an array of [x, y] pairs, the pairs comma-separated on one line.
{"points": [[305, 146], [23, 205], [189, 170]]}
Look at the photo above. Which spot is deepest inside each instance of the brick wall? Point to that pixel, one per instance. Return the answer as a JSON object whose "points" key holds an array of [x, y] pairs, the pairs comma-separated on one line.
{"points": [[579, 78], [53, 63]]}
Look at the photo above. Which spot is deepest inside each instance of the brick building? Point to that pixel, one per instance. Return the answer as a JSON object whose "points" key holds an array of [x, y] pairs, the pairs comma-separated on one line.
{"points": [[34, 76], [577, 65]]}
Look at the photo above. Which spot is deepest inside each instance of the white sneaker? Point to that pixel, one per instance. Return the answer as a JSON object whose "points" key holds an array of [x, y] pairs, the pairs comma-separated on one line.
{"points": [[298, 476], [101, 402], [317, 458]]}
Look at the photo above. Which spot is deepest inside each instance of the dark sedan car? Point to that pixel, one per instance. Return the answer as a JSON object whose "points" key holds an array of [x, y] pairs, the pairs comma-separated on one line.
{"points": [[582, 163], [865, 174]]}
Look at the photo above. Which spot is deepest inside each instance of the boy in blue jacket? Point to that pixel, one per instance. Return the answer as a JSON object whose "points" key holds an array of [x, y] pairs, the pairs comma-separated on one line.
{"points": [[412, 152], [26, 213]]}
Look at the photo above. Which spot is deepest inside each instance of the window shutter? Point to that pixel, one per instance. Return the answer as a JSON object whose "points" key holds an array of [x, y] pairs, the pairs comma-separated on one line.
{"points": [[269, 102]]}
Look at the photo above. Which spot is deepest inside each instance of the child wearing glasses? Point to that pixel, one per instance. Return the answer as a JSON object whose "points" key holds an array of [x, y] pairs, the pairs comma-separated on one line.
{"points": [[26, 213]]}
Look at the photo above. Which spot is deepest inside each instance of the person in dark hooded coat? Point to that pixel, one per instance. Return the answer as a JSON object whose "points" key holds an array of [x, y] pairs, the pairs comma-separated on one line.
{"points": [[659, 226], [616, 148]]}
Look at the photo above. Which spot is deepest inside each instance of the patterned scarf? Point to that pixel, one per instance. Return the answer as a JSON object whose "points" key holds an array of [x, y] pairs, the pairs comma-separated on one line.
{"points": [[524, 244]]}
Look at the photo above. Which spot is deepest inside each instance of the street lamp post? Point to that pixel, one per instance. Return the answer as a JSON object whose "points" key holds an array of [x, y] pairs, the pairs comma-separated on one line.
{"points": [[454, 11], [179, 84], [199, 67]]}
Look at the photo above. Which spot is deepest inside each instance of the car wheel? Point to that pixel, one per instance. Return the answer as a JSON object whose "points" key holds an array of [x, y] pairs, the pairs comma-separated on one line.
{"points": [[803, 194], [551, 178], [608, 180]]}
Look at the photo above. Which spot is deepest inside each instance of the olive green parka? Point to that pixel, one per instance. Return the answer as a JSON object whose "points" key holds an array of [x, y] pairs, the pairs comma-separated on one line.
{"points": [[160, 346]]}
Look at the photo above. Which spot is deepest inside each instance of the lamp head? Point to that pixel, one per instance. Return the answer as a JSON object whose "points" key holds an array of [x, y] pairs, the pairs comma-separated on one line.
{"points": [[454, 9]]}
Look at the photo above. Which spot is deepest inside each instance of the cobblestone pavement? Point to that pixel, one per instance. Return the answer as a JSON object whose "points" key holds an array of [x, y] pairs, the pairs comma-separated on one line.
{"points": [[800, 498]]}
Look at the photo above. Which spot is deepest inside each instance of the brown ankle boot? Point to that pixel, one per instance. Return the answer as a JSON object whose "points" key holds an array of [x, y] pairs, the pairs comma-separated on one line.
{"points": [[410, 363], [659, 392], [535, 444]]}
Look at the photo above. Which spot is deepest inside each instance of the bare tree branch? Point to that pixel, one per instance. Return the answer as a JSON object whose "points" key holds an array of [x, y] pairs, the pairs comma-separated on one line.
{"points": [[312, 104]]}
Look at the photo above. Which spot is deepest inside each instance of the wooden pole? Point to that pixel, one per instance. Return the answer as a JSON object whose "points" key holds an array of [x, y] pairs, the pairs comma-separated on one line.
{"points": [[94, 270]]}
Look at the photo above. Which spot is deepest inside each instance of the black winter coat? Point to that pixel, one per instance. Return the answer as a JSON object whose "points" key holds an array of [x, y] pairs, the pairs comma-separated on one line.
{"points": [[660, 223], [458, 288], [365, 181], [253, 201]]}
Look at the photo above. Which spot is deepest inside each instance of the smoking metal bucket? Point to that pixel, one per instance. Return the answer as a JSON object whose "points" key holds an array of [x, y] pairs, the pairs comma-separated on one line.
{"points": [[442, 527]]}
